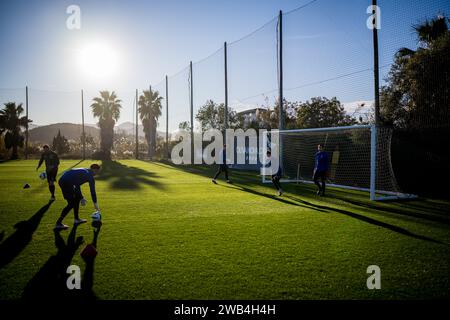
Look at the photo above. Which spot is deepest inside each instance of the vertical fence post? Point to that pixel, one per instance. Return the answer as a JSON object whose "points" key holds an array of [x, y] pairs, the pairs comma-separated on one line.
{"points": [[83, 134], [137, 127], [26, 127], [374, 140], [226, 85], [375, 62], [280, 94], [167, 117], [192, 112], [280, 61]]}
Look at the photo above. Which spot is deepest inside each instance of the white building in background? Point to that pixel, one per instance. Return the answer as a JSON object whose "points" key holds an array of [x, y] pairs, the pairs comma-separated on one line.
{"points": [[251, 115]]}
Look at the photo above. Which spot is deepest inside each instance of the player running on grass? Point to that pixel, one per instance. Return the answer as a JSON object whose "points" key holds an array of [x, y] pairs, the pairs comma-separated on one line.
{"points": [[320, 169], [70, 183], [223, 167], [51, 168]]}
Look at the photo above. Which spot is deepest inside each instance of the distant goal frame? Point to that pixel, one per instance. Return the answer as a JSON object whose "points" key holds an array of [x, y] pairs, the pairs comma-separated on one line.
{"points": [[375, 194]]}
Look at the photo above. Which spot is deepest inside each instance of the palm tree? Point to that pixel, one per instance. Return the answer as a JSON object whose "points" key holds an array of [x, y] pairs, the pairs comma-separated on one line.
{"points": [[107, 109], [149, 112], [427, 32], [11, 122]]}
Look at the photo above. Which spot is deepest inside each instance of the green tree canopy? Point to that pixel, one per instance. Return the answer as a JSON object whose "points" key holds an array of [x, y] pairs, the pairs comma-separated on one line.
{"points": [[212, 116], [417, 94], [11, 123], [321, 112], [60, 144]]}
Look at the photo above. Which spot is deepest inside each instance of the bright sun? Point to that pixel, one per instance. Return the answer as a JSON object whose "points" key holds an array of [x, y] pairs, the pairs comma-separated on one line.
{"points": [[98, 60]]}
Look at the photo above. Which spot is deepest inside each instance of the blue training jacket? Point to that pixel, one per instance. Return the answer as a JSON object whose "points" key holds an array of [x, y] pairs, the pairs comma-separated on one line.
{"points": [[321, 161], [77, 177]]}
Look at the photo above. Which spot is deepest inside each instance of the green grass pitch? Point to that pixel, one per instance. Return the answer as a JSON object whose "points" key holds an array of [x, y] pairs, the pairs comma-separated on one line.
{"points": [[169, 233]]}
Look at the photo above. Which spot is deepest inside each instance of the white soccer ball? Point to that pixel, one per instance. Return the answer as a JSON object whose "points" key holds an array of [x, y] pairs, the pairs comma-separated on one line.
{"points": [[43, 175], [96, 216]]}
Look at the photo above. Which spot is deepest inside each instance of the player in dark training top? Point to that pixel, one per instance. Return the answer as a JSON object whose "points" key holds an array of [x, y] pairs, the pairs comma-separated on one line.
{"points": [[51, 168], [320, 169], [276, 177], [70, 183], [223, 166]]}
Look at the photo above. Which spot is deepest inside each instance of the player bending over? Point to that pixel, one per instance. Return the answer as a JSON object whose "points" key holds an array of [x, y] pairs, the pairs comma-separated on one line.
{"points": [[320, 169], [51, 168], [70, 183], [276, 177], [223, 167]]}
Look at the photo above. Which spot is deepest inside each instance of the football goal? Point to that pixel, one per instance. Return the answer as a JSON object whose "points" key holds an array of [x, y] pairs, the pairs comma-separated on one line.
{"points": [[359, 158]]}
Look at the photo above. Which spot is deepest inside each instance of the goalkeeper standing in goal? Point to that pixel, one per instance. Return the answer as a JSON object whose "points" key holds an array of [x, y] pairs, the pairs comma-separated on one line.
{"points": [[320, 169]]}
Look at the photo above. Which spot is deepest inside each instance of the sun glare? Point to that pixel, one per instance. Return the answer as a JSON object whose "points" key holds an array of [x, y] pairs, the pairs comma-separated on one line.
{"points": [[99, 61]]}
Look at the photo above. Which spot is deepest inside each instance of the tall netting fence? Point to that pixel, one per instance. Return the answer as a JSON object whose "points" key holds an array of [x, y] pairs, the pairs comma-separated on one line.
{"points": [[161, 121], [179, 104], [414, 43], [328, 62], [252, 73]]}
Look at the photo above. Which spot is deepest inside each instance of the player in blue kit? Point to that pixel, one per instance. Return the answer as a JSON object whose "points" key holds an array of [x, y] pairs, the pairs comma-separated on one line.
{"points": [[320, 169], [70, 183]]}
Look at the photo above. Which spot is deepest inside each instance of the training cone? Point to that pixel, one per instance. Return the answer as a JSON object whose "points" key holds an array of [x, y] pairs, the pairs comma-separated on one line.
{"points": [[89, 251], [26, 186]]}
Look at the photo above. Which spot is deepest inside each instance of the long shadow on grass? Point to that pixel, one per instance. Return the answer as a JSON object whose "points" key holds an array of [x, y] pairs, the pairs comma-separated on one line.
{"points": [[76, 164], [369, 220], [127, 178], [50, 281], [405, 208], [12, 246], [209, 171], [273, 197], [2, 235], [87, 282]]}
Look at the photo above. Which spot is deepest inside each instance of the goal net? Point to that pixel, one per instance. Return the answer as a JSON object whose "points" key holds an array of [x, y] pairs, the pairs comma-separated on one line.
{"points": [[359, 158]]}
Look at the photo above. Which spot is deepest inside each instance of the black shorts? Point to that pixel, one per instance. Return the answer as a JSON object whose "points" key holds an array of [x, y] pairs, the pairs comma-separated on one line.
{"points": [[51, 174], [320, 175], [276, 177], [70, 192]]}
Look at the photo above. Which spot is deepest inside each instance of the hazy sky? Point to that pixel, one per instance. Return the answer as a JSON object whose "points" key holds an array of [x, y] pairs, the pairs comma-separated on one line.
{"points": [[327, 50]]}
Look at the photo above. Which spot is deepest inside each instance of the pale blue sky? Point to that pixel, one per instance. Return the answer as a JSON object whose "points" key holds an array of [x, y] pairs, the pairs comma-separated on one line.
{"points": [[326, 40]]}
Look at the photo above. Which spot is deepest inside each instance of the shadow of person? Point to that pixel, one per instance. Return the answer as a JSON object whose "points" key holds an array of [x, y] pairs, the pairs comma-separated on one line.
{"points": [[12, 246], [124, 177], [272, 197], [372, 221], [2, 235], [89, 254], [50, 280]]}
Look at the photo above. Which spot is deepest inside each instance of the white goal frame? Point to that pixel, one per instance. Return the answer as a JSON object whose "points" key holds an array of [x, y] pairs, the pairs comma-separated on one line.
{"points": [[375, 195]]}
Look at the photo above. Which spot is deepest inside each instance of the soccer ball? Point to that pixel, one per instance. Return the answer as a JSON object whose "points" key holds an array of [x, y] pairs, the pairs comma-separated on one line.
{"points": [[43, 175], [96, 216]]}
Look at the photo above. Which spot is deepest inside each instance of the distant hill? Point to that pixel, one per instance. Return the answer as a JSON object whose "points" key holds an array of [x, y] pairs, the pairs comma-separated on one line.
{"points": [[129, 128], [72, 131], [45, 134]]}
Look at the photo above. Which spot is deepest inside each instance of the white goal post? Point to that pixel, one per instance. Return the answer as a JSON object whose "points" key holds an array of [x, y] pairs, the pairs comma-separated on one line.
{"points": [[359, 158]]}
